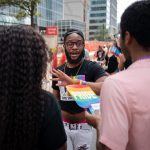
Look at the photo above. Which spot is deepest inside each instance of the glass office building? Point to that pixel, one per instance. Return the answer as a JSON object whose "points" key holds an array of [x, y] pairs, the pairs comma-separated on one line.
{"points": [[103, 13], [78, 10], [64, 25], [8, 20], [7, 16], [49, 11]]}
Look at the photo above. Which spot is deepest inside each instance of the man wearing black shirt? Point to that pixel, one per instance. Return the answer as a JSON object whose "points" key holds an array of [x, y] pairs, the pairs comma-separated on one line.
{"points": [[79, 134]]}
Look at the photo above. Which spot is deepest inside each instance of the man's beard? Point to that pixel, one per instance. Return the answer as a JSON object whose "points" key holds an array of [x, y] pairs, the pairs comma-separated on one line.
{"points": [[76, 61]]}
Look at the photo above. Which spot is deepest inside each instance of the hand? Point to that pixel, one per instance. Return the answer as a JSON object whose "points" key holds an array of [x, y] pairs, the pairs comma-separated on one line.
{"points": [[93, 119], [61, 76], [122, 58]]}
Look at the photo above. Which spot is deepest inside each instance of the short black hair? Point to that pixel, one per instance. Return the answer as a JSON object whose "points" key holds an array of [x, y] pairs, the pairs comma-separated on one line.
{"points": [[70, 31], [136, 20]]}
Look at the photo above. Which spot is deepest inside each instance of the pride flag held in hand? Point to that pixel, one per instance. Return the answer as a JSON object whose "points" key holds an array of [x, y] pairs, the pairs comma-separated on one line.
{"points": [[83, 95]]}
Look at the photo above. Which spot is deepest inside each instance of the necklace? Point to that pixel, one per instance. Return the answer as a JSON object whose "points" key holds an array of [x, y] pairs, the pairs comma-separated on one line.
{"points": [[77, 70]]}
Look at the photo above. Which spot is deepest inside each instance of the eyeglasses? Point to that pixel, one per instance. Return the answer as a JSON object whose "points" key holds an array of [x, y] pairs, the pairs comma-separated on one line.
{"points": [[71, 44]]}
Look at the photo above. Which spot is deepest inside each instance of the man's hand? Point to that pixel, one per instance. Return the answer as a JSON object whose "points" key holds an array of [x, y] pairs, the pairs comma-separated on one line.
{"points": [[61, 76], [93, 119]]}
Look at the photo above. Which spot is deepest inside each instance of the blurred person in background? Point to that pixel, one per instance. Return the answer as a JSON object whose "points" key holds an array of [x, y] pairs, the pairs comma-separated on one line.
{"points": [[123, 63], [100, 54], [87, 55], [112, 58]]}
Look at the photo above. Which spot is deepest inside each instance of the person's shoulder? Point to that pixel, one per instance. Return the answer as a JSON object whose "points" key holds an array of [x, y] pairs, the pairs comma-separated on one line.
{"points": [[89, 62], [51, 103], [121, 77], [48, 97]]}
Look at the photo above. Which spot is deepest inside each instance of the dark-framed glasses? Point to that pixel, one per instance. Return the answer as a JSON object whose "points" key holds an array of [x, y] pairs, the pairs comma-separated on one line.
{"points": [[71, 44]]}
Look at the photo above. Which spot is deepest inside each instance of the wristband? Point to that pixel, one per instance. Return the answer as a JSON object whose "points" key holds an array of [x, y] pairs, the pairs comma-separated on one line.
{"points": [[80, 82], [75, 81]]}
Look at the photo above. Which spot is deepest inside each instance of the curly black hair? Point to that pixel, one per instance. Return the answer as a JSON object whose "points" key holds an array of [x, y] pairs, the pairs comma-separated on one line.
{"points": [[136, 20], [23, 62]]}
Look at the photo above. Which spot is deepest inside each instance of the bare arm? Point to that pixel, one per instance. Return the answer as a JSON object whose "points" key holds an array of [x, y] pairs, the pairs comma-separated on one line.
{"points": [[99, 145], [95, 121], [121, 60], [66, 80], [96, 86]]}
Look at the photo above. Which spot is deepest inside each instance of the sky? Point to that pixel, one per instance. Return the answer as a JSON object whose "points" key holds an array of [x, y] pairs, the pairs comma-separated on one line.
{"points": [[122, 5]]}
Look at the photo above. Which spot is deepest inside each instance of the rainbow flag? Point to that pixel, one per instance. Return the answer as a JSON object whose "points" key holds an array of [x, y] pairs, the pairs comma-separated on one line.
{"points": [[83, 95]]}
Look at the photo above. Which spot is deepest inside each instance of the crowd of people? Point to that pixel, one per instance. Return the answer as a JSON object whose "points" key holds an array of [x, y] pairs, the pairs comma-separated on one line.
{"points": [[32, 118]]}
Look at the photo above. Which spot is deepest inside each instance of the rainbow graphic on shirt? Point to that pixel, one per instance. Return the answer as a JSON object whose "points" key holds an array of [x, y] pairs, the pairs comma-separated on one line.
{"points": [[80, 77], [83, 95]]}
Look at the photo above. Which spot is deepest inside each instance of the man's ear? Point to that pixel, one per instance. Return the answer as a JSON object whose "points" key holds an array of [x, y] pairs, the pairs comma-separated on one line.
{"points": [[128, 38]]}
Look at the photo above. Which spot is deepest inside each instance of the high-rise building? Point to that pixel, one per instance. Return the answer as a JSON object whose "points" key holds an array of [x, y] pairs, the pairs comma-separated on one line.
{"points": [[78, 10], [103, 16], [7, 16], [49, 11], [64, 25]]}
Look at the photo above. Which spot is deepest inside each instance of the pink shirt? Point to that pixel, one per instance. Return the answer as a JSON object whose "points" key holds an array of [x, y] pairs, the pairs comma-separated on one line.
{"points": [[125, 108]]}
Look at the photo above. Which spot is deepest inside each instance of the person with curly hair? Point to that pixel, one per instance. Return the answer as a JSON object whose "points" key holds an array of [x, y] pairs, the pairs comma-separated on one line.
{"points": [[29, 116]]}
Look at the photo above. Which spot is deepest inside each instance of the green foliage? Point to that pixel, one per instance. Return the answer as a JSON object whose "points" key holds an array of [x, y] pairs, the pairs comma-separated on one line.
{"points": [[27, 7], [21, 14], [102, 34]]}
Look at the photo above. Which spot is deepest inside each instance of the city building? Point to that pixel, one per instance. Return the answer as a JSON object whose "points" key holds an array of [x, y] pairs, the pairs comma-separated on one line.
{"points": [[8, 20], [78, 10], [64, 25], [7, 16], [49, 11], [103, 16]]}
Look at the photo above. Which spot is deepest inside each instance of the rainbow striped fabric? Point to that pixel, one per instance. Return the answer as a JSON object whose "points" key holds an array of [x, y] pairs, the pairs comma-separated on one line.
{"points": [[83, 95]]}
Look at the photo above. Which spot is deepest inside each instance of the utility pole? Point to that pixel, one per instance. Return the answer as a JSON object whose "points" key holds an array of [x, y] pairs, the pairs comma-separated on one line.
{"points": [[103, 33], [85, 10]]}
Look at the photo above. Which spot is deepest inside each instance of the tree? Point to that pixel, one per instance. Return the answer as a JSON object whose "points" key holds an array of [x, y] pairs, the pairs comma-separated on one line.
{"points": [[102, 33], [26, 8]]}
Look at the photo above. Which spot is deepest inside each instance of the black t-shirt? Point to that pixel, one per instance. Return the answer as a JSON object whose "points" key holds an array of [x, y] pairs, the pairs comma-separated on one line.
{"points": [[112, 64], [52, 135], [127, 63], [89, 71]]}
